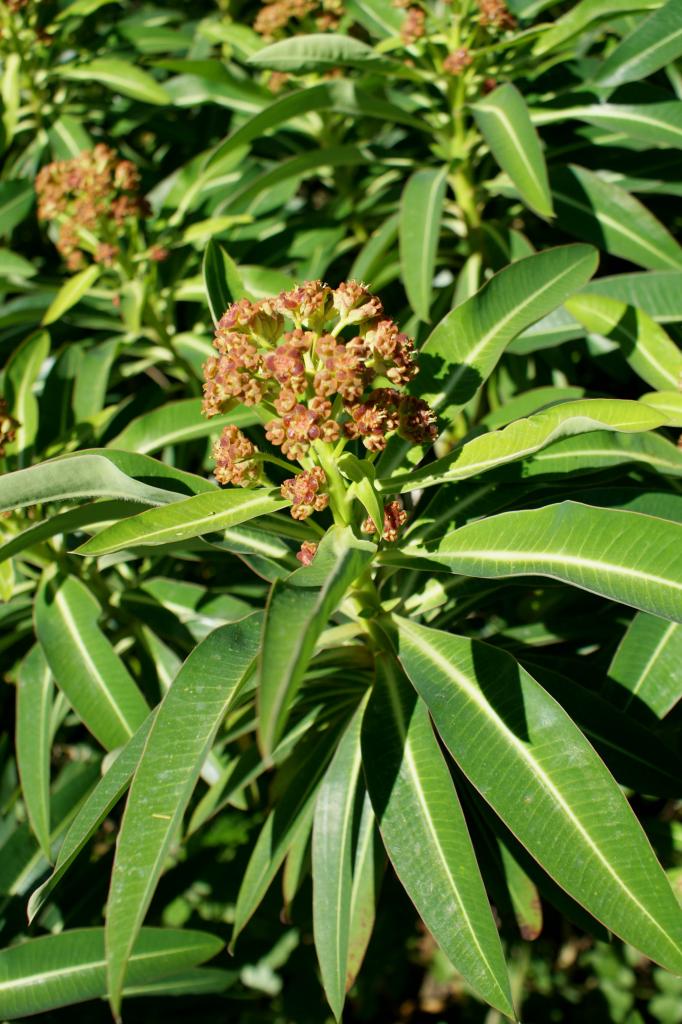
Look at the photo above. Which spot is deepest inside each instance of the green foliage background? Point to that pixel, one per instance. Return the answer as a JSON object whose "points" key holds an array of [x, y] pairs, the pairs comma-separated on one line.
{"points": [[519, 213]]}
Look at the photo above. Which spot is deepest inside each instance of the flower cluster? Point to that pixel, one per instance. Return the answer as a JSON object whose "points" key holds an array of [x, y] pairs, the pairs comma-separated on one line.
{"points": [[306, 492], [275, 15], [495, 14], [456, 61], [394, 517], [92, 197], [323, 365], [234, 463], [8, 427], [307, 552], [414, 26]]}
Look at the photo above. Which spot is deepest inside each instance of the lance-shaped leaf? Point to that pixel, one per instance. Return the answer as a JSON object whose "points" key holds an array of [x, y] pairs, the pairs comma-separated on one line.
{"points": [[651, 45], [332, 862], [668, 403], [71, 292], [369, 863], [174, 423], [222, 282], [34, 708], [421, 209], [320, 50], [601, 450], [79, 476], [190, 517], [538, 772], [643, 342], [526, 436], [297, 612], [94, 810], [648, 665], [180, 738], [59, 970], [626, 556], [464, 348], [22, 370], [291, 816], [657, 123], [607, 215], [425, 834], [83, 662], [121, 77], [505, 124]]}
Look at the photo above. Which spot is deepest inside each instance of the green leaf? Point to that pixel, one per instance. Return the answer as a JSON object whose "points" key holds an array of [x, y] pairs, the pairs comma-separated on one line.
{"points": [[121, 77], [637, 756], [526, 436], [16, 199], [379, 17], [668, 403], [332, 861], [292, 815], [421, 210], [94, 810], [368, 868], [68, 138], [659, 124], [190, 517], [643, 342], [651, 45], [319, 50], [601, 450], [222, 281], [176, 423], [22, 370], [13, 265], [33, 742], [85, 475], [625, 556], [647, 666], [538, 772], [585, 13], [464, 348], [83, 662], [607, 215], [176, 748], [425, 833], [41, 974], [298, 610], [504, 122], [71, 292]]}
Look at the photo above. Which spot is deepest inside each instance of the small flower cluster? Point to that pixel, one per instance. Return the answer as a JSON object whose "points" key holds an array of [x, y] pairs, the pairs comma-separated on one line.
{"points": [[330, 367], [394, 517], [455, 62], [92, 197], [275, 15], [8, 427], [413, 26], [495, 14]]}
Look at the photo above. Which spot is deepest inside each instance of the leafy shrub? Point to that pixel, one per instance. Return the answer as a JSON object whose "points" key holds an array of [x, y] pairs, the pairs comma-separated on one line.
{"points": [[375, 581]]}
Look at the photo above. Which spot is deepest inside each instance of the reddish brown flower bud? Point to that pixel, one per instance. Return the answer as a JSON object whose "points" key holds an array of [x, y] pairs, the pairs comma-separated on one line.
{"points": [[355, 304], [457, 61], [259, 319], [307, 552], [414, 26], [106, 254], [375, 418], [286, 366], [417, 420], [8, 427], [233, 454], [308, 305], [393, 352], [306, 492], [495, 14], [394, 517]]}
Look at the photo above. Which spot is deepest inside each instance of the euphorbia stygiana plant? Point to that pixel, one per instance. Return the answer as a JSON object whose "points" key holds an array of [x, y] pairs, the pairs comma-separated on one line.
{"points": [[397, 723]]}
